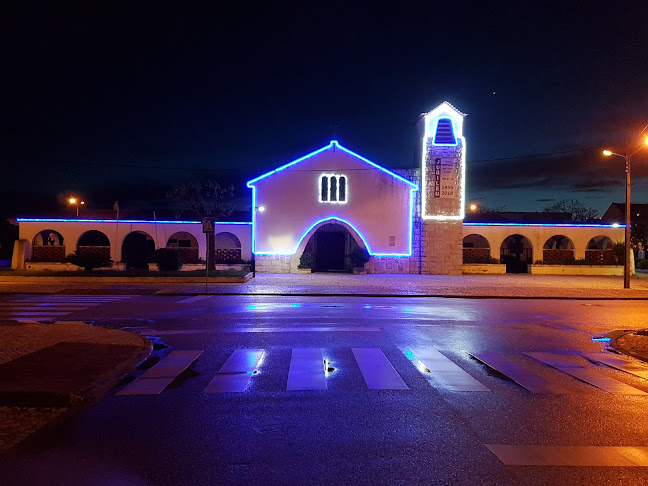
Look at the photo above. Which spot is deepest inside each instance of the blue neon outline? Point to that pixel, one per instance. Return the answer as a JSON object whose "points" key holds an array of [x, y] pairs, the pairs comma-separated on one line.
{"points": [[334, 143], [568, 225], [329, 218], [436, 129], [56, 220]]}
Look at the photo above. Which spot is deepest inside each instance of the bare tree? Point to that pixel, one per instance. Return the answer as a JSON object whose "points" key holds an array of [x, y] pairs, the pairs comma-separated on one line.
{"points": [[578, 211], [209, 200]]}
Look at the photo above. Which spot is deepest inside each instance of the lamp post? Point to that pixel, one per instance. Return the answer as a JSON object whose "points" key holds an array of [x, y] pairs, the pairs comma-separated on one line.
{"points": [[626, 263], [76, 202]]}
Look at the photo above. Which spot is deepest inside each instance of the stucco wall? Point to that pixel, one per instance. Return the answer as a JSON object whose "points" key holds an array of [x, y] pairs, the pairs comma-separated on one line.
{"points": [[538, 235], [116, 231], [378, 204]]}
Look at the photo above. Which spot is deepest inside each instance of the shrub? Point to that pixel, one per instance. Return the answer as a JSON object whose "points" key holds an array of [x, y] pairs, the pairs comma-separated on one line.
{"points": [[88, 261], [358, 257], [306, 260], [493, 260], [619, 252], [642, 264], [168, 259]]}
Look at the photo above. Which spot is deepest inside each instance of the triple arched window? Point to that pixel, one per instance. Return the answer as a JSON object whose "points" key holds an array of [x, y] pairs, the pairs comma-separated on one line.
{"points": [[333, 188]]}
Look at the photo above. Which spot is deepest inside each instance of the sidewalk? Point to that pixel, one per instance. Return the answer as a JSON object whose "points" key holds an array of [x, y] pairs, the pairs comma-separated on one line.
{"points": [[468, 286], [46, 370]]}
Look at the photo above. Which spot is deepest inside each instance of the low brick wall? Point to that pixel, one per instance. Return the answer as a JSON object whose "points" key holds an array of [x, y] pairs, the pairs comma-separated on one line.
{"points": [[600, 257], [476, 255], [103, 251], [273, 263], [557, 257], [483, 269], [609, 270], [227, 255], [388, 265], [48, 254]]}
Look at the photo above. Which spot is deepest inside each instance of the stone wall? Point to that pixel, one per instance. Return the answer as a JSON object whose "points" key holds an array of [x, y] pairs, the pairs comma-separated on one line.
{"points": [[388, 265], [442, 247], [273, 263]]}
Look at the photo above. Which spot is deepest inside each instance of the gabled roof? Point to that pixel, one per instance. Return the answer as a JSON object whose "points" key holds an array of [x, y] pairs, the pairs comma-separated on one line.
{"points": [[333, 144]]}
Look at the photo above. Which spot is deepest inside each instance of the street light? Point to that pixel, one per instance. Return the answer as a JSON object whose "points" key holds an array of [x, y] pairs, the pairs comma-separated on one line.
{"points": [[73, 200], [627, 158], [473, 207]]}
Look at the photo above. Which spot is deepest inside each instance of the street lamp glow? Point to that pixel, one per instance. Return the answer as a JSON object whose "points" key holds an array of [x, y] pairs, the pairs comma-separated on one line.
{"points": [[607, 152], [72, 200], [261, 209], [473, 207]]}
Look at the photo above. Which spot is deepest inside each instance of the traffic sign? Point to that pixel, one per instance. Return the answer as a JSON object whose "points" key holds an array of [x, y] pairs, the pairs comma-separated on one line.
{"points": [[208, 225]]}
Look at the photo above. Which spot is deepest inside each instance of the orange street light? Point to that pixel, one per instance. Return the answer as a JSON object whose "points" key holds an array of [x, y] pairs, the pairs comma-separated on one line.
{"points": [[473, 207], [73, 200], [627, 158]]}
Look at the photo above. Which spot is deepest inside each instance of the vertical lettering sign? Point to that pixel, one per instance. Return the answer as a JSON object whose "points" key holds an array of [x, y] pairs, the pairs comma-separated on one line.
{"points": [[437, 177], [449, 178]]}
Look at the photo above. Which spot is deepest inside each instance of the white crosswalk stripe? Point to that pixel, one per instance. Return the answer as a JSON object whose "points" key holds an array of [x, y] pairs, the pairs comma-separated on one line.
{"points": [[51, 307], [303, 370]]}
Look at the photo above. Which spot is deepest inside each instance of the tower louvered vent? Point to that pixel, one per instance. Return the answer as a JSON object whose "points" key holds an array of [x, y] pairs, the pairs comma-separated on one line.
{"points": [[444, 133]]}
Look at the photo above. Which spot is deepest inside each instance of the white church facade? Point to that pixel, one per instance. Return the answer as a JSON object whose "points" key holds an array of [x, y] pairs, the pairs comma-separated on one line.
{"points": [[333, 201]]}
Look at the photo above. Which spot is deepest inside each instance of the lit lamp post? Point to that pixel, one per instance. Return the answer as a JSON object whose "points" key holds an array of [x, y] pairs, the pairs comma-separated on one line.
{"points": [[73, 200], [626, 264], [473, 207]]}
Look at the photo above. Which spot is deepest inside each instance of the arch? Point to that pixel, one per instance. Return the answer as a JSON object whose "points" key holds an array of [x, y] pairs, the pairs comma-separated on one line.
{"points": [[306, 237], [600, 242], [558, 250], [227, 248], [516, 251], [94, 242], [137, 249], [186, 244], [48, 246], [476, 249], [600, 251]]}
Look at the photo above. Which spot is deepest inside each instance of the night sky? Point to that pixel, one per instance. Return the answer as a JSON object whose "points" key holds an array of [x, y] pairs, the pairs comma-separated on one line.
{"points": [[120, 101]]}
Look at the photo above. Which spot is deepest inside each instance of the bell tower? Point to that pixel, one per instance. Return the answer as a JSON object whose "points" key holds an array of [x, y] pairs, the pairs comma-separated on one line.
{"points": [[443, 174]]}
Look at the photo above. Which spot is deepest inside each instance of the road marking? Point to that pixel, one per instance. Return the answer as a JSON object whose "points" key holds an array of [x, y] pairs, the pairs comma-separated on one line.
{"points": [[377, 371], [306, 370], [157, 378], [152, 332], [578, 456], [236, 373], [32, 314], [619, 363], [190, 300], [450, 374], [303, 329], [590, 376], [523, 377]]}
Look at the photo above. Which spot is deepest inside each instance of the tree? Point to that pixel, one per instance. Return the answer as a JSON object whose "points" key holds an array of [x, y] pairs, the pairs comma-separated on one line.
{"points": [[209, 200], [578, 211]]}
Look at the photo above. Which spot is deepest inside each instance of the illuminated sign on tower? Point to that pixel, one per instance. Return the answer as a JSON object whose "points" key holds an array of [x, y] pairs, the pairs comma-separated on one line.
{"points": [[443, 164]]}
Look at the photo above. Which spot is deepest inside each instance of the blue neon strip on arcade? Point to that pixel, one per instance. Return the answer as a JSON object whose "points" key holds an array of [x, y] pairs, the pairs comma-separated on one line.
{"points": [[568, 225], [55, 220]]}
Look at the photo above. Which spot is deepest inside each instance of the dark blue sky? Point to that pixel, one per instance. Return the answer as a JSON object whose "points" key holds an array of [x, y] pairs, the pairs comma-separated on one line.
{"points": [[123, 100]]}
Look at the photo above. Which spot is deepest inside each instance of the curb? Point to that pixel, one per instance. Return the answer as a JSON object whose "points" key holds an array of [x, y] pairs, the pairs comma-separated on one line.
{"points": [[614, 345], [134, 280]]}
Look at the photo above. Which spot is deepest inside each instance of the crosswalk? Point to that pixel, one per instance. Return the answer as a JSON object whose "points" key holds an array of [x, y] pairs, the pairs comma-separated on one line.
{"points": [[309, 369], [51, 307]]}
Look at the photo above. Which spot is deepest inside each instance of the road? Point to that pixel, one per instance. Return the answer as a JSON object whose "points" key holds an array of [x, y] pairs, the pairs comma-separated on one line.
{"points": [[420, 428]]}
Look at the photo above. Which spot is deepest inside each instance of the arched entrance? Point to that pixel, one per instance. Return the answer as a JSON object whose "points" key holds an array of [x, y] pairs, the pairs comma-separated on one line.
{"points": [[94, 242], [331, 245], [516, 252], [137, 249], [186, 244]]}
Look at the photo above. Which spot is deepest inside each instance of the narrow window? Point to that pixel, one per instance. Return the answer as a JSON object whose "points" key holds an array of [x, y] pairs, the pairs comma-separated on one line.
{"points": [[324, 190], [334, 191], [444, 133], [342, 189]]}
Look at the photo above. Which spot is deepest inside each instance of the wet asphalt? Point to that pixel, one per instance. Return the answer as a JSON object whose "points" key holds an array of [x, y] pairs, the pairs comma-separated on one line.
{"points": [[346, 434]]}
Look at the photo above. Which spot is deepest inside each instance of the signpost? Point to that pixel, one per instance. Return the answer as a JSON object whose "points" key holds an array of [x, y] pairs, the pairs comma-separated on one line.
{"points": [[208, 229]]}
